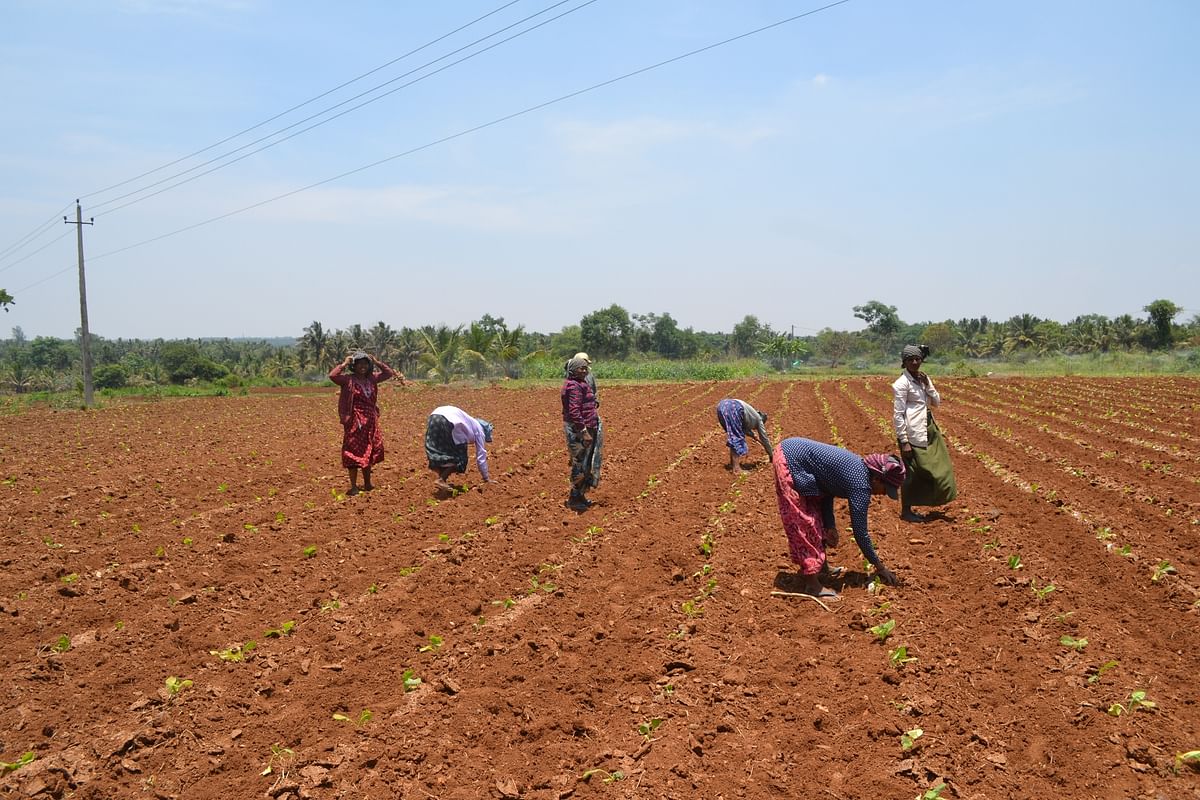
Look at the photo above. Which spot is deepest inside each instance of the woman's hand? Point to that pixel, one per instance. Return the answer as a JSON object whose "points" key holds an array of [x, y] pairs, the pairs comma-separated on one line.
{"points": [[886, 575]]}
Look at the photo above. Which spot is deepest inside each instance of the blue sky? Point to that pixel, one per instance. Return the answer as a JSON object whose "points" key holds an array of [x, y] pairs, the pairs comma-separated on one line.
{"points": [[951, 159]]}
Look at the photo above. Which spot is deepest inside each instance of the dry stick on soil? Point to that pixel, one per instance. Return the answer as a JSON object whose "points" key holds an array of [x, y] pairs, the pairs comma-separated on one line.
{"points": [[805, 595]]}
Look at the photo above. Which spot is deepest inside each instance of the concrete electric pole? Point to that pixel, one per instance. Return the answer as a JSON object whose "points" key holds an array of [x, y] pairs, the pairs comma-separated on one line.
{"points": [[85, 339]]}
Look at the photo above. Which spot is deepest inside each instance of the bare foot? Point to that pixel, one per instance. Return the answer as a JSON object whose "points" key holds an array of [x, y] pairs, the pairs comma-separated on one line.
{"points": [[353, 491], [443, 485]]}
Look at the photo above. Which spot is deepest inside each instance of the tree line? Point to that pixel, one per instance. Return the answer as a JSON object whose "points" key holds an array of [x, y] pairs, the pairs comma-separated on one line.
{"points": [[490, 348]]}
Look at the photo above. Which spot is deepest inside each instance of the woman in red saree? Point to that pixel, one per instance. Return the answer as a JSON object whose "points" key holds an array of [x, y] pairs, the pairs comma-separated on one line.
{"points": [[358, 409]]}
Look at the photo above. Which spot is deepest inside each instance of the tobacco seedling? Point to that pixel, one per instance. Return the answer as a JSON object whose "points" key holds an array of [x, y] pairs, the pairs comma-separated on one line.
{"points": [[1072, 643], [507, 603], [1105, 534], [691, 608], [187, 541], [28, 756], [883, 630], [409, 680], [176, 685], [880, 609], [1161, 571], [330, 605], [1099, 671], [310, 551], [1042, 592], [609, 777], [726, 507], [62, 644], [435, 642], [1014, 561], [899, 657], [283, 630], [706, 544], [364, 717], [933, 793], [74, 576], [1125, 550], [406, 571], [1190, 757], [647, 728], [490, 521], [909, 738], [1137, 699], [236, 652]]}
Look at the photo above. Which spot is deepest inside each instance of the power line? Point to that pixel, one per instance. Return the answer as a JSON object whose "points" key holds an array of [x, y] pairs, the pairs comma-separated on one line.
{"points": [[299, 105], [38, 231], [460, 134], [28, 256], [338, 105]]}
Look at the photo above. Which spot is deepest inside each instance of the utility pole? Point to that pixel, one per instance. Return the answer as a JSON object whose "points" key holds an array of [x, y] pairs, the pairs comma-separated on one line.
{"points": [[85, 340]]}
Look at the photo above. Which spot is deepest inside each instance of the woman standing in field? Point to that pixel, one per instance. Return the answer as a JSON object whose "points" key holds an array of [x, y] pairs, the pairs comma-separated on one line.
{"points": [[581, 426], [808, 475], [736, 417], [598, 440], [447, 433], [358, 410], [930, 475]]}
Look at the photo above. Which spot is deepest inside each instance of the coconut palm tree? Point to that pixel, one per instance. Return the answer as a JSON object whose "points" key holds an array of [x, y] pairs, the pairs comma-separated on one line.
{"points": [[382, 339], [315, 342], [478, 345], [441, 356]]}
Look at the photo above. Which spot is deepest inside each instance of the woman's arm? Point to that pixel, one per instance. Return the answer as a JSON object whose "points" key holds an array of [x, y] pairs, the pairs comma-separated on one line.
{"points": [[336, 374]]}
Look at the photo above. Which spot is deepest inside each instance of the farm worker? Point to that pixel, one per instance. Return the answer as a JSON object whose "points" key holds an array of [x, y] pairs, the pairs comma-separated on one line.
{"points": [[358, 410], [808, 475], [736, 417], [598, 447], [929, 477], [447, 434], [581, 426]]}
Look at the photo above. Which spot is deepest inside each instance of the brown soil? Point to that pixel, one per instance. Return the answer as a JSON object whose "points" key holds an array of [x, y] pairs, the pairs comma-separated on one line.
{"points": [[601, 654]]}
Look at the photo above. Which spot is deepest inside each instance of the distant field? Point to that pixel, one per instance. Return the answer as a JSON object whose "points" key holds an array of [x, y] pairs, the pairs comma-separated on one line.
{"points": [[499, 645]]}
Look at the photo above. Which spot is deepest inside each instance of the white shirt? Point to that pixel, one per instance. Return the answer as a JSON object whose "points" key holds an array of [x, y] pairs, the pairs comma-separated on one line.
{"points": [[910, 409], [466, 430]]}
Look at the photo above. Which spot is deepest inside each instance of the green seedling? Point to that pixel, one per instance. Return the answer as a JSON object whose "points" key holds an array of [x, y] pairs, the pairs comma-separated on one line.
{"points": [[410, 681], [74, 576], [1042, 592], [364, 717], [691, 608], [1099, 671], [283, 630], [647, 728], [280, 518], [160, 551], [875, 586], [1014, 561], [28, 756], [235, 652], [982, 529], [62, 644], [1125, 550], [994, 544], [187, 541], [310, 551], [1161, 571], [726, 507], [899, 657], [1190, 757], [933, 793], [1137, 699], [120, 626], [706, 544], [406, 571], [973, 519], [252, 528], [490, 521], [883, 630], [435, 642], [1104, 534], [609, 777], [136, 528], [431, 502], [909, 738], [222, 487], [703, 572], [507, 603], [880, 609], [1072, 643], [176, 685]]}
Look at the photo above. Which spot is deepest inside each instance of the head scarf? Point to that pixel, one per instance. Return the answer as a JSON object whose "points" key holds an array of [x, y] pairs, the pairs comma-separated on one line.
{"points": [[358, 356], [888, 469], [911, 351], [487, 429], [584, 356], [576, 363]]}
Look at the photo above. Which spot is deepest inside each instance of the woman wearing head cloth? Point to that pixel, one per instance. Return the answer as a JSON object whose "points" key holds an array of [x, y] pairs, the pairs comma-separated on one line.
{"points": [[737, 418], [598, 439], [358, 410], [581, 426], [930, 480], [447, 433], [808, 475]]}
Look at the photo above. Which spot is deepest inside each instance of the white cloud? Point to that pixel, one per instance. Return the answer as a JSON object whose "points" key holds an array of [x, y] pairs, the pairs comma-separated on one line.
{"points": [[820, 80]]}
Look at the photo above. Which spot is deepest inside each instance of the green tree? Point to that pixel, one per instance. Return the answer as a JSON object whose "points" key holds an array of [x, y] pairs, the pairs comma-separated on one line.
{"points": [[183, 361], [382, 340], [1162, 314], [882, 321], [607, 333], [834, 346], [478, 346], [111, 376], [443, 346], [6, 300], [940, 336], [316, 342], [746, 335]]}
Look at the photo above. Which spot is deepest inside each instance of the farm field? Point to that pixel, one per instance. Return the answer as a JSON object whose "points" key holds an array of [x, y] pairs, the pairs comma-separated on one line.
{"points": [[500, 645]]}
